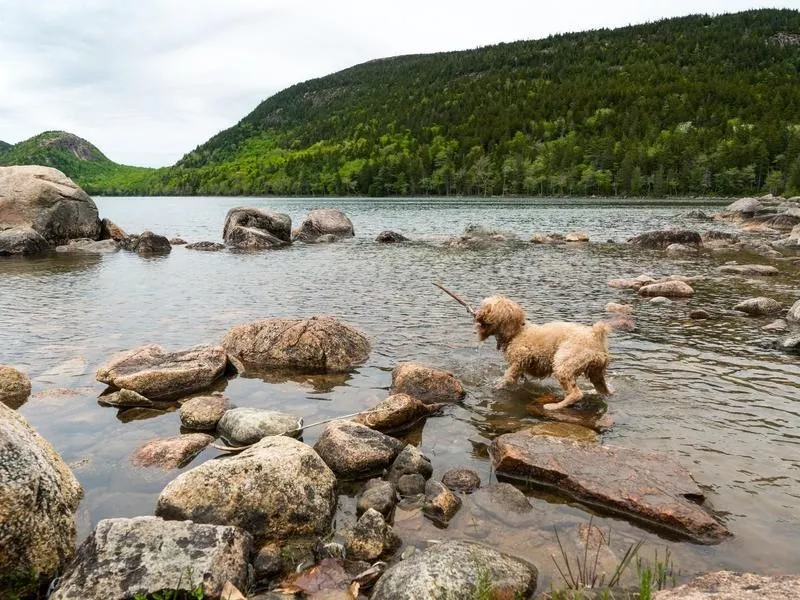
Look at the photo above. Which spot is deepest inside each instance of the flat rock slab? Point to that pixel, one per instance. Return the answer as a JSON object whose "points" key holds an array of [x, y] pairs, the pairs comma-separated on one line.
{"points": [[145, 555], [748, 269], [243, 426], [648, 486], [727, 585], [171, 453], [159, 375], [352, 450]]}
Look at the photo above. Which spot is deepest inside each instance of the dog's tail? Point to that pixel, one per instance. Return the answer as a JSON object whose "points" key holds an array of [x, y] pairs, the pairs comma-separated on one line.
{"points": [[601, 329]]}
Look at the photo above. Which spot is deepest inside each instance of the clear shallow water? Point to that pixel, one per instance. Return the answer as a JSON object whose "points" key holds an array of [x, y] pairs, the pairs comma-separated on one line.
{"points": [[710, 393]]}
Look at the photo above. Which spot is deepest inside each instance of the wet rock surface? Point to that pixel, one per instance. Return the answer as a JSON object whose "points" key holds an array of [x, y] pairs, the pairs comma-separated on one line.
{"points": [[320, 344], [478, 237], [87, 246], [370, 538], [324, 221], [649, 486], [203, 412], [411, 484], [38, 498], [255, 229], [352, 450], [440, 504], [390, 237], [22, 241], [243, 426], [660, 240], [170, 453], [430, 385], [146, 555], [147, 244], [759, 307], [451, 570], [278, 488], [762, 270], [159, 375], [379, 495], [15, 387], [668, 289], [727, 585], [461, 480], [410, 461], [205, 246], [395, 413]]}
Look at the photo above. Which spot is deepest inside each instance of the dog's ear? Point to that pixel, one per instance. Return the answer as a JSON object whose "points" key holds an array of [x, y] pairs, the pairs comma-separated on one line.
{"points": [[483, 312]]}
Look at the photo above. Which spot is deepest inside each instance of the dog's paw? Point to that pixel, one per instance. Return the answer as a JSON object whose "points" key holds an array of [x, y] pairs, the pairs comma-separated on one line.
{"points": [[552, 406]]}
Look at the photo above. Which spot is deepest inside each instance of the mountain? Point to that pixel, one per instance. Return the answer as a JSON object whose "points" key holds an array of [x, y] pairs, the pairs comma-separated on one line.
{"points": [[78, 159], [4, 146]]}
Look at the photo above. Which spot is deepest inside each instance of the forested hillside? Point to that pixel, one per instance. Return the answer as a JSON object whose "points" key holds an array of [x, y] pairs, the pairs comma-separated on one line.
{"points": [[694, 105]]}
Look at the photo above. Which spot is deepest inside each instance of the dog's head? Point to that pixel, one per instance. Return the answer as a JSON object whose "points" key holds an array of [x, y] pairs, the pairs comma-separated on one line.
{"points": [[500, 317]]}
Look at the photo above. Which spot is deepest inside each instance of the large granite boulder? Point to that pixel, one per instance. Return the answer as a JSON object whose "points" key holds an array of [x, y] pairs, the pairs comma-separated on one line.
{"points": [[255, 229], [321, 344], [430, 385], [324, 222], [728, 585], [645, 485], [352, 450], [47, 201], [278, 488], [243, 426], [15, 387], [454, 570], [38, 498], [159, 375], [660, 240], [123, 558]]}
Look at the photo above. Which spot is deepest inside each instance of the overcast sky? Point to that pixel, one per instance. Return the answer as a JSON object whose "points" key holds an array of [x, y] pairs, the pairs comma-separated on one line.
{"points": [[147, 81]]}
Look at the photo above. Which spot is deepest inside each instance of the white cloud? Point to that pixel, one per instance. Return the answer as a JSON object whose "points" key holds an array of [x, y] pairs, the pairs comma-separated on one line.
{"points": [[148, 81]]}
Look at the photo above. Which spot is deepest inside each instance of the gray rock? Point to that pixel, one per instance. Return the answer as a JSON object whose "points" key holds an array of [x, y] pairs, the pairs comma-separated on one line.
{"points": [[370, 538], [727, 585], [38, 498], [48, 202], [268, 563], [430, 385], [758, 307], [397, 412], [644, 485], [170, 453], [206, 246], [203, 412], [478, 237], [669, 289], [461, 480], [452, 570], [256, 229], [178, 241], [748, 269], [699, 313], [503, 496], [21, 241], [379, 495], [776, 325], [411, 484], [352, 450], [660, 300], [87, 246], [697, 214], [243, 426], [790, 343], [159, 375], [320, 343], [747, 206], [151, 244], [390, 237], [409, 462], [277, 489], [15, 387], [794, 312], [127, 399], [324, 221], [440, 503], [680, 249], [661, 239], [146, 555]]}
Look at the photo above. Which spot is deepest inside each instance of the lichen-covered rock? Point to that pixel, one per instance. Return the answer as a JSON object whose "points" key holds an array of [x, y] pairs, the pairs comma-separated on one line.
{"points": [[727, 585], [440, 503], [243, 426], [256, 229], [38, 498], [123, 558], [660, 240], [397, 412], [668, 289], [203, 412], [159, 375], [278, 488], [452, 570], [47, 201], [320, 343], [325, 221], [352, 450], [370, 538], [430, 385], [758, 307], [15, 387], [461, 480], [170, 453], [379, 495]]}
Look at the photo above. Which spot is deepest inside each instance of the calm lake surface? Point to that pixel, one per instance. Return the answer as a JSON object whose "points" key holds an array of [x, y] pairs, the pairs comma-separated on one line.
{"points": [[710, 393]]}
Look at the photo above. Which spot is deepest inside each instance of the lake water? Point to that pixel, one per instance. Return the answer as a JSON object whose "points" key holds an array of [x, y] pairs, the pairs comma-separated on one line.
{"points": [[709, 393]]}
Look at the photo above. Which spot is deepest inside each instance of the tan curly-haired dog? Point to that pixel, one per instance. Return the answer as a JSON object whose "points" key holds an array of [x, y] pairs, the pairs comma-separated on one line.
{"points": [[564, 350]]}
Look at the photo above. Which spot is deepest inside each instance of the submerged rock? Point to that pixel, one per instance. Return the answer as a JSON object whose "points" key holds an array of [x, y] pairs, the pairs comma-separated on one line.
{"points": [[255, 229], [87, 246], [38, 498], [170, 453], [452, 570], [278, 488], [758, 307], [206, 246], [461, 480], [15, 387], [669, 289], [727, 585], [430, 385], [318, 343], [410, 461], [159, 375], [478, 237], [324, 221], [390, 237], [243, 426], [352, 450], [576, 236], [648, 486], [127, 399], [123, 558], [748, 269], [660, 240]]}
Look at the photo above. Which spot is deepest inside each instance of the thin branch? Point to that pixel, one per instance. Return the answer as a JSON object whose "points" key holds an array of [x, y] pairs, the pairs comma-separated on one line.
{"points": [[456, 297]]}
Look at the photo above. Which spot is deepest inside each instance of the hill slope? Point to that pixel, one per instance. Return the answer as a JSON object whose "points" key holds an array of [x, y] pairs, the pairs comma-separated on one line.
{"points": [[4, 146], [78, 159]]}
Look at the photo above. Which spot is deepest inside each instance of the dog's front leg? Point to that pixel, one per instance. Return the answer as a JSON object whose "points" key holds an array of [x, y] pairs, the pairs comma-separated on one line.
{"points": [[510, 377]]}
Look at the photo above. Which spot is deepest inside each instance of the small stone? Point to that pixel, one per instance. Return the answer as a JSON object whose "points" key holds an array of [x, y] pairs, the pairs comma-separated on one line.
{"points": [[763, 270], [428, 384], [203, 412], [462, 480], [440, 503], [576, 236], [412, 484], [268, 562], [370, 537], [794, 312], [699, 313], [776, 325], [353, 450], [177, 241], [408, 462], [170, 453], [390, 237], [206, 246], [15, 387], [379, 495], [660, 300], [670, 289], [244, 426]]}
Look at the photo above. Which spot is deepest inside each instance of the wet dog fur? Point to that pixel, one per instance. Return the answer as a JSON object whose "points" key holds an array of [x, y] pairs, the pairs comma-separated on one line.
{"points": [[563, 350]]}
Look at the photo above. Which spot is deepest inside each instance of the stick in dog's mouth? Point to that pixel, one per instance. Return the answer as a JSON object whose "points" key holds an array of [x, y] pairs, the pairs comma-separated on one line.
{"points": [[457, 298]]}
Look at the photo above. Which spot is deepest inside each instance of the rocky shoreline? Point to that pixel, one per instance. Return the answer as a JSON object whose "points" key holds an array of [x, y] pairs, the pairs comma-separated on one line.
{"points": [[261, 518]]}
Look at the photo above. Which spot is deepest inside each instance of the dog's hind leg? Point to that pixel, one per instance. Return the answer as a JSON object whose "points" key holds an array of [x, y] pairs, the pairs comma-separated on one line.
{"points": [[572, 393], [597, 376]]}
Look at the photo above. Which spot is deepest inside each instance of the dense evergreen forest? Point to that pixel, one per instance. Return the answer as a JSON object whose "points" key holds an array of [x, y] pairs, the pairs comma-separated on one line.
{"points": [[696, 105]]}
